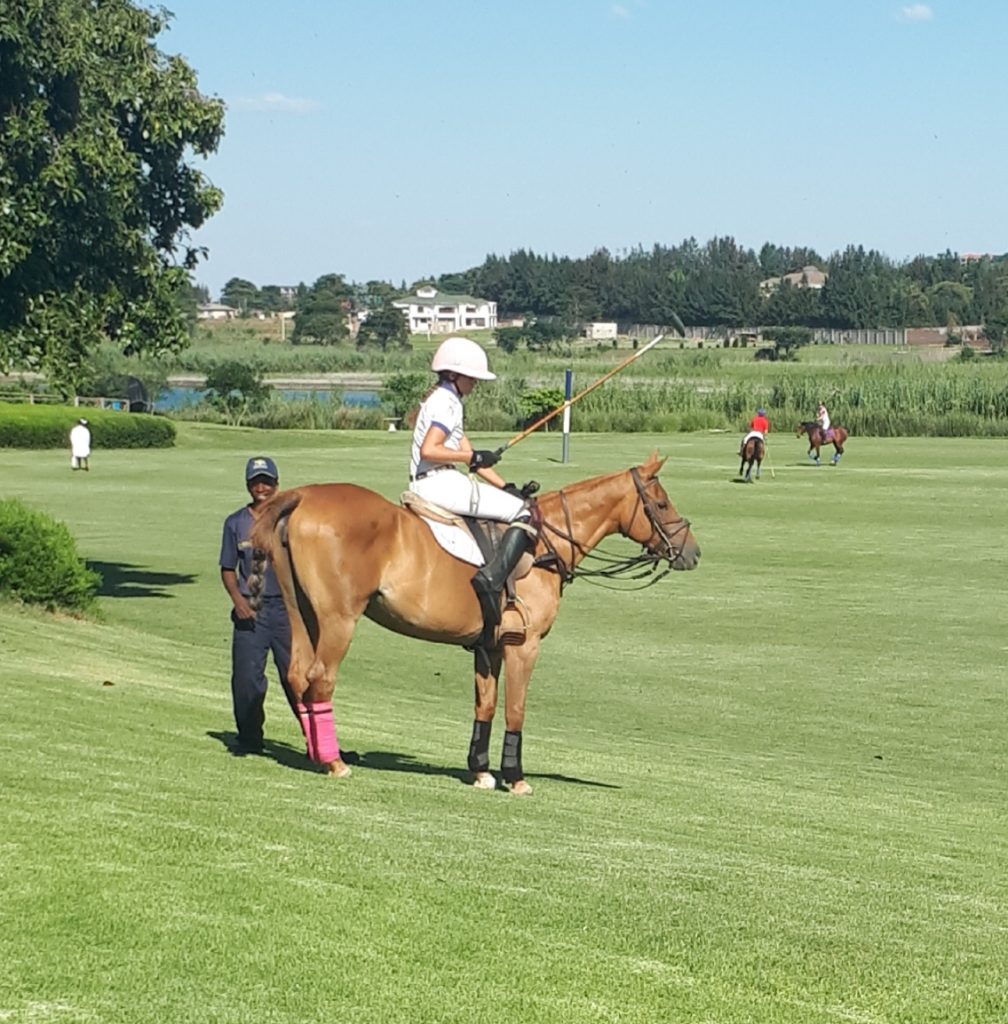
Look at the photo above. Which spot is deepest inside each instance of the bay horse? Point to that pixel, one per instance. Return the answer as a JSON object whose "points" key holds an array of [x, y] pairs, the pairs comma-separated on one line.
{"points": [[819, 437], [753, 450], [341, 551]]}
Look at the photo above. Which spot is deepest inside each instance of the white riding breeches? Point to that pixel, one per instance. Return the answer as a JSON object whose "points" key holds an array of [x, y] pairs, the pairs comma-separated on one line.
{"points": [[467, 495], [753, 433]]}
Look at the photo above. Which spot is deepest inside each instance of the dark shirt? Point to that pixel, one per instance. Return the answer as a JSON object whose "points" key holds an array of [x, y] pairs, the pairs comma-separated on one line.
{"points": [[236, 553]]}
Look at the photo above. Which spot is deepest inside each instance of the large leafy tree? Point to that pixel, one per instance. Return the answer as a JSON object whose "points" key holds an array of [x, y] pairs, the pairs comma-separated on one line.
{"points": [[384, 328], [96, 195], [240, 294], [323, 312]]}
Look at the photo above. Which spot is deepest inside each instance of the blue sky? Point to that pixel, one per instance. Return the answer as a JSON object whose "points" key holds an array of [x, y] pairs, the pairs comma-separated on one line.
{"points": [[397, 140]]}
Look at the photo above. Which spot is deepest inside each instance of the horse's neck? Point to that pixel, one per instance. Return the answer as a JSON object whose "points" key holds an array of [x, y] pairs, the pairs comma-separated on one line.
{"points": [[591, 515]]}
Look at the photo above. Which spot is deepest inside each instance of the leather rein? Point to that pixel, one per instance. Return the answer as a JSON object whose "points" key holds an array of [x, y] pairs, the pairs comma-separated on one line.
{"points": [[635, 567]]}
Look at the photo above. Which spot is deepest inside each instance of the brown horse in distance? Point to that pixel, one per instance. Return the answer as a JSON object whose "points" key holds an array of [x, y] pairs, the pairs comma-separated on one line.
{"points": [[818, 437], [753, 450], [341, 551]]}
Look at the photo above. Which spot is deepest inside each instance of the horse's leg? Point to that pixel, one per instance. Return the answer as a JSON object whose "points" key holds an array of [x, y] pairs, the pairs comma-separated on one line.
{"points": [[518, 665], [302, 655], [487, 671], [741, 466], [334, 640]]}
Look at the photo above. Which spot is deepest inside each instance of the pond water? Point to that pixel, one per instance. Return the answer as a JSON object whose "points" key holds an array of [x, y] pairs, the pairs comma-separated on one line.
{"points": [[179, 397]]}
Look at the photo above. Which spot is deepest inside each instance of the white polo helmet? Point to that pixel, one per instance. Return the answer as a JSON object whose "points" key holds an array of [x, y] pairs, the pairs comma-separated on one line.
{"points": [[460, 355]]}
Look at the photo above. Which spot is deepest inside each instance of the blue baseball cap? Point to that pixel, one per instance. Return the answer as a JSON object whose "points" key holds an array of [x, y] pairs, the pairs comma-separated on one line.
{"points": [[261, 466]]}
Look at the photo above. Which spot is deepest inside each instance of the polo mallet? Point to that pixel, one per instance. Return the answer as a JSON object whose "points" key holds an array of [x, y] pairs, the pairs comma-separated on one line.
{"points": [[591, 387], [766, 449]]}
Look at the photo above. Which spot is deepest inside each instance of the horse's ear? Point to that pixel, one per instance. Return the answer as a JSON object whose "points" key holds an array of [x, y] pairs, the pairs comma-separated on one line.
{"points": [[652, 467]]}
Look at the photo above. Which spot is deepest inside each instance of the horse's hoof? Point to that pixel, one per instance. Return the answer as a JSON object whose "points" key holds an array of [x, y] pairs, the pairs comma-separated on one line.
{"points": [[521, 788], [484, 780], [338, 769]]}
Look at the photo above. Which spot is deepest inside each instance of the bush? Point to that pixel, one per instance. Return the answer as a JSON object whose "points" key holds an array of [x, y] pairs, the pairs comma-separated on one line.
{"points": [[39, 563], [403, 392], [48, 426], [236, 389]]}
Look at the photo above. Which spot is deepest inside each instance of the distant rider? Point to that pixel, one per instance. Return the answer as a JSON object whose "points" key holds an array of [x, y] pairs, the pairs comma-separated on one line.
{"points": [[822, 418], [759, 426]]}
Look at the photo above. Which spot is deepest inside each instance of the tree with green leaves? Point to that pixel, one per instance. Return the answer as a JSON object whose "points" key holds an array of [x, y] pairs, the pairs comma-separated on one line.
{"points": [[240, 294], [384, 328], [403, 392], [236, 389], [786, 342], [96, 195], [323, 312]]}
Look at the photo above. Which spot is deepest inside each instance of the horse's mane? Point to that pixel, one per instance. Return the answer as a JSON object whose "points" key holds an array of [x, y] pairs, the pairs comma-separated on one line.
{"points": [[575, 489]]}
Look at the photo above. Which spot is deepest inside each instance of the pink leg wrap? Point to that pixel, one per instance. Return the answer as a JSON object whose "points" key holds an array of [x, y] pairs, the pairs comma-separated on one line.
{"points": [[322, 743], [302, 714]]}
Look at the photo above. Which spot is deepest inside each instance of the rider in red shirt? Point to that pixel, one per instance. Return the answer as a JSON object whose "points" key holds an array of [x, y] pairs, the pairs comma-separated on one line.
{"points": [[758, 425]]}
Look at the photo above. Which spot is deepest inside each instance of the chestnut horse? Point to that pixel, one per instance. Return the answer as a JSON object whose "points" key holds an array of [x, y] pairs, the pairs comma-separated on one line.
{"points": [[818, 437], [753, 450], [340, 551]]}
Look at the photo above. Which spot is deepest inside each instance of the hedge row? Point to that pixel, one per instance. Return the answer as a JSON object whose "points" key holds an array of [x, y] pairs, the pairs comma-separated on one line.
{"points": [[48, 426], [39, 563]]}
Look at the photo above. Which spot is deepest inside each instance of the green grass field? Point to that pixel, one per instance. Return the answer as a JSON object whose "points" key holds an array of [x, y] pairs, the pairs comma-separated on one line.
{"points": [[771, 790]]}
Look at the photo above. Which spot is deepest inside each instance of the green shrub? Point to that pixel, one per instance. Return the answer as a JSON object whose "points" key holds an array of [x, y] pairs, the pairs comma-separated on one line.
{"points": [[48, 426], [39, 563]]}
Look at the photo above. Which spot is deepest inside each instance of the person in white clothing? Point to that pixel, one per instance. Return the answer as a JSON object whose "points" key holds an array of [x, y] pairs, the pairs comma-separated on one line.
{"points": [[80, 446], [822, 418], [440, 446]]}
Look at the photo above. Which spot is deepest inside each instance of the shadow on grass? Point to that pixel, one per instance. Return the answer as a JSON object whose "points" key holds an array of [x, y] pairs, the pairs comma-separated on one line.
{"points": [[122, 580], [390, 761], [282, 753], [376, 760]]}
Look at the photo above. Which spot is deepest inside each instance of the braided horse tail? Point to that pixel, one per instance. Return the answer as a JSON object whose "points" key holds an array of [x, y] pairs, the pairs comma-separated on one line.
{"points": [[268, 539]]}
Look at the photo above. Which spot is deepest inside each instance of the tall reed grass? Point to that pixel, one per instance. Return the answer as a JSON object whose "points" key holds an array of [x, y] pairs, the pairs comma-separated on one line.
{"points": [[700, 390]]}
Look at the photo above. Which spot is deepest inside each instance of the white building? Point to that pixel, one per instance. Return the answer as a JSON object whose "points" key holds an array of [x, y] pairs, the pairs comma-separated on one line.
{"points": [[600, 330], [215, 311], [432, 312]]}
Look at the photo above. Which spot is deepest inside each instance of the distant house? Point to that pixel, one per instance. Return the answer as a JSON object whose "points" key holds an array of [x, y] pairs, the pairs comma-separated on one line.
{"points": [[215, 311], [808, 277], [434, 312], [600, 331]]}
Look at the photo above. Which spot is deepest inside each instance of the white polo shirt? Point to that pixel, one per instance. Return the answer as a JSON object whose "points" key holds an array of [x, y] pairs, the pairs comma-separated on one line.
{"points": [[442, 408]]}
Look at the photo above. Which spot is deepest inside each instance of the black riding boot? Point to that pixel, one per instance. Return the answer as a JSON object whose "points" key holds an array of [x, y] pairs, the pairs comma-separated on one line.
{"points": [[490, 578]]}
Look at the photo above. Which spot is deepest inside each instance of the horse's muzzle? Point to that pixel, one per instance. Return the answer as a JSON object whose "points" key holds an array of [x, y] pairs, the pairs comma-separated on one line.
{"points": [[687, 557]]}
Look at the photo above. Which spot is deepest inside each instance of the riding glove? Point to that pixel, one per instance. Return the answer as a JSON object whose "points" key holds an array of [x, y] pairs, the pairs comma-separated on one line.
{"points": [[483, 459]]}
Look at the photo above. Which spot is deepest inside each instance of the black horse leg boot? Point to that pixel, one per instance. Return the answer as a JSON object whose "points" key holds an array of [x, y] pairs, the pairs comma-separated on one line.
{"points": [[490, 578]]}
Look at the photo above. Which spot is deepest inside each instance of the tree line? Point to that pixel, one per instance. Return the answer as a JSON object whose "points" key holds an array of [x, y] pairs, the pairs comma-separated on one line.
{"points": [[719, 285]]}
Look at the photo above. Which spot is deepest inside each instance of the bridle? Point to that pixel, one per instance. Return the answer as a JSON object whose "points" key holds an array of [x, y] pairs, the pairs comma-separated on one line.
{"points": [[635, 567]]}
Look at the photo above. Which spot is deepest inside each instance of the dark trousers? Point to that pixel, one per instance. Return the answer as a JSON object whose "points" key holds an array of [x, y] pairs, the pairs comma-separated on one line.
{"points": [[251, 642]]}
